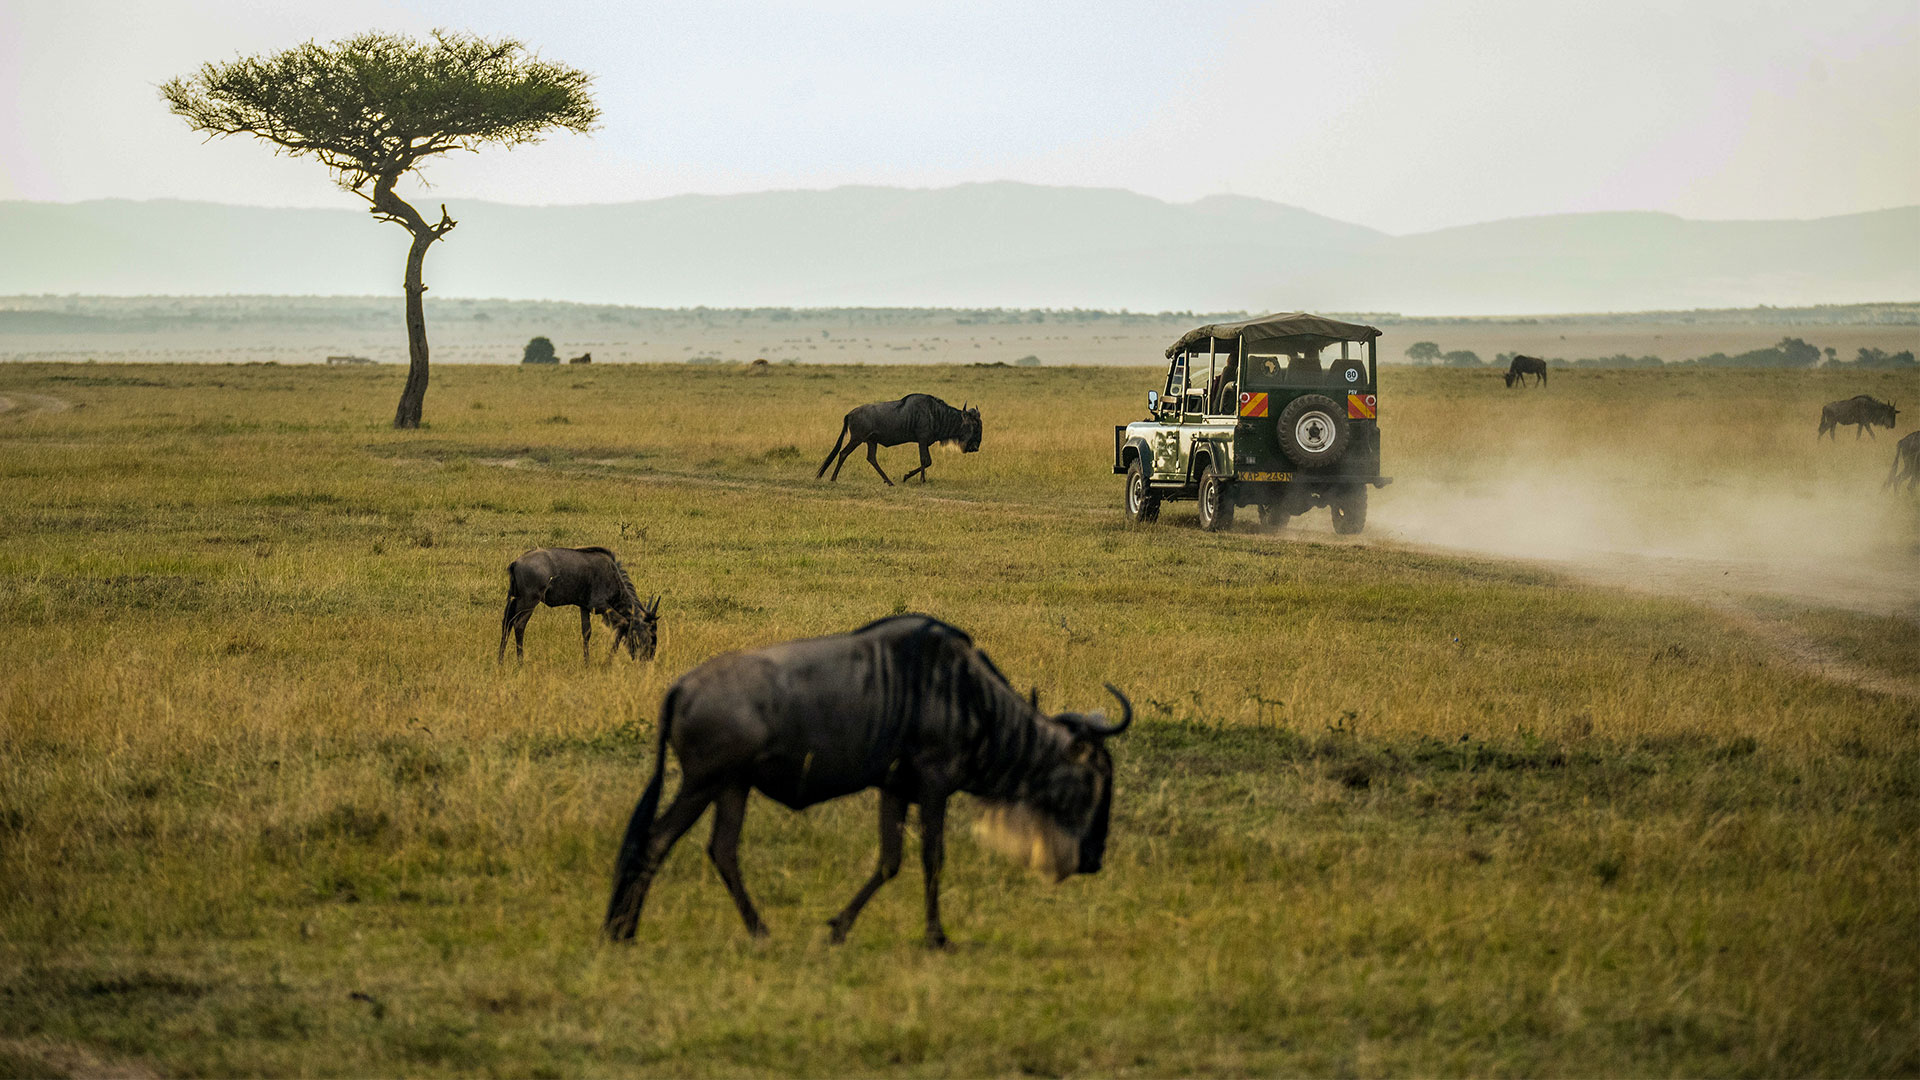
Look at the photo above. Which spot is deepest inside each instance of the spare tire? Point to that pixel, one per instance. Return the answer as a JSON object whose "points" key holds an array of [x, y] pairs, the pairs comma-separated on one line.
{"points": [[1313, 431], [1349, 375]]}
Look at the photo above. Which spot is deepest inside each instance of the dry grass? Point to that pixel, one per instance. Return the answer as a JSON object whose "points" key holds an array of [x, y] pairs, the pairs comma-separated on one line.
{"points": [[268, 807]]}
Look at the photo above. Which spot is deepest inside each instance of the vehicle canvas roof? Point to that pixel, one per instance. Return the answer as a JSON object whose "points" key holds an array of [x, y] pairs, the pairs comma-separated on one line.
{"points": [[1294, 324]]}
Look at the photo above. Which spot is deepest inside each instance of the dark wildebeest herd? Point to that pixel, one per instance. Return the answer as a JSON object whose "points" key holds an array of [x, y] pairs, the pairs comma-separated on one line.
{"points": [[1864, 411], [907, 705]]}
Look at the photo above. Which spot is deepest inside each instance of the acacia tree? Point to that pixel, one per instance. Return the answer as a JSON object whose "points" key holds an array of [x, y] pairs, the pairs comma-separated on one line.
{"points": [[372, 108], [1423, 352]]}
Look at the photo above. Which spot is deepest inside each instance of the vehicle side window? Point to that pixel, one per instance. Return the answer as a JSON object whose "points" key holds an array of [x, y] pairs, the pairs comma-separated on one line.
{"points": [[1176, 381]]}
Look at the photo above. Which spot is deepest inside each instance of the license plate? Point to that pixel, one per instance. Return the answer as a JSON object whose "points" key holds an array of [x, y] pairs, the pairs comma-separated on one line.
{"points": [[1281, 477]]}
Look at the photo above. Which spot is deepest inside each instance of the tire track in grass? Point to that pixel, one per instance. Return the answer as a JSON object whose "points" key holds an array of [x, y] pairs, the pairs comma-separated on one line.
{"points": [[1788, 645], [35, 404]]}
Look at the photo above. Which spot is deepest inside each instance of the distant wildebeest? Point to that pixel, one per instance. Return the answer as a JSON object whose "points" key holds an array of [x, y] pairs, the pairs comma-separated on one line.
{"points": [[583, 358], [1862, 411], [1906, 455], [590, 578], [916, 418], [906, 704], [1522, 366]]}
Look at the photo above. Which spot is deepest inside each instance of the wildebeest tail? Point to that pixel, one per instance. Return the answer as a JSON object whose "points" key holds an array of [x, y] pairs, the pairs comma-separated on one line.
{"points": [[623, 907], [844, 424]]}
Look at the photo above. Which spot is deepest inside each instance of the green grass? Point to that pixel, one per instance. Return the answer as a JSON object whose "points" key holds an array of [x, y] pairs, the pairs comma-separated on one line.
{"points": [[267, 806]]}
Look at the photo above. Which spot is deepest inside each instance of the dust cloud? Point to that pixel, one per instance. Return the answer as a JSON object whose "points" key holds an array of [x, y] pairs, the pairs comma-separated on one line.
{"points": [[1843, 544]]}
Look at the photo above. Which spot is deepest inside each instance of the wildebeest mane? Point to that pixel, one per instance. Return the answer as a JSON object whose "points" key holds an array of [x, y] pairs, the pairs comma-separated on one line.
{"points": [[942, 659], [626, 583]]}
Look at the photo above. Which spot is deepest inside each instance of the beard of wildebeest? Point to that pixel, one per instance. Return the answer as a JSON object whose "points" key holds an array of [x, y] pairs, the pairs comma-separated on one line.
{"points": [[1073, 799]]}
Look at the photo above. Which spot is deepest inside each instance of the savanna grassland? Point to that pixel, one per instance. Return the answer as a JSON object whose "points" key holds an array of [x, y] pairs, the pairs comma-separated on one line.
{"points": [[268, 806]]}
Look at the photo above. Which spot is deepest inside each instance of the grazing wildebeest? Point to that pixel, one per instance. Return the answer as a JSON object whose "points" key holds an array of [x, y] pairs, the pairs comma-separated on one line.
{"points": [[1522, 366], [1906, 455], [905, 704], [590, 578], [1863, 411], [916, 418], [583, 358]]}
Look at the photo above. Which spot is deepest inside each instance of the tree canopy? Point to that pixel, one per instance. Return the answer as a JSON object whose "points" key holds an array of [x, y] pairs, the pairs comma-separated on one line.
{"points": [[372, 107], [1423, 352]]}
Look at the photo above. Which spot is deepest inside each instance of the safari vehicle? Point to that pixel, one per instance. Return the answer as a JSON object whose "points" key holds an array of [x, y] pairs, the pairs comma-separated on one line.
{"points": [[1278, 413]]}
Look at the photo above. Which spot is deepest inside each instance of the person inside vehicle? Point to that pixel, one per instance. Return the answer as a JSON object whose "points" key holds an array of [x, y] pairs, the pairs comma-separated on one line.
{"points": [[1305, 364], [1226, 386]]}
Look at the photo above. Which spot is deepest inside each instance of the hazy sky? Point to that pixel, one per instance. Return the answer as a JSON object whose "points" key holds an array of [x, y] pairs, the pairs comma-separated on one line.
{"points": [[1406, 116]]}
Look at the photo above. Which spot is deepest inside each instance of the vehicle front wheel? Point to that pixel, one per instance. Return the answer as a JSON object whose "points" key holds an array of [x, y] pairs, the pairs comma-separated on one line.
{"points": [[1142, 504], [1349, 508], [1216, 505]]}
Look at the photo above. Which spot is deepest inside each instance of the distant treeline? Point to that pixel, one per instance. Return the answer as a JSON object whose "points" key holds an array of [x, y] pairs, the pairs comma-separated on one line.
{"points": [[1789, 353], [1884, 314], [109, 314], [138, 314]]}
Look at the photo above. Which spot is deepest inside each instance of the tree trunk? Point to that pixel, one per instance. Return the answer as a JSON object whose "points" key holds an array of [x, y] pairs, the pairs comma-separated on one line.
{"points": [[390, 207], [413, 399]]}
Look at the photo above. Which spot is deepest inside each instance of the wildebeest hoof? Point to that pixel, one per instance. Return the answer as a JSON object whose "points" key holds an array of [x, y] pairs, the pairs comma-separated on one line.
{"points": [[938, 942], [837, 933]]}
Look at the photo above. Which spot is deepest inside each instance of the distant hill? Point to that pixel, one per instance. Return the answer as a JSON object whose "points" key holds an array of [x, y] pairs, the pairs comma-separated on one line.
{"points": [[976, 245]]}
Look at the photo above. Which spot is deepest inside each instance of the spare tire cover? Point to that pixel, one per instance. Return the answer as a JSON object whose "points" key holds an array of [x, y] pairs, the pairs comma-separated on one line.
{"points": [[1313, 431]]}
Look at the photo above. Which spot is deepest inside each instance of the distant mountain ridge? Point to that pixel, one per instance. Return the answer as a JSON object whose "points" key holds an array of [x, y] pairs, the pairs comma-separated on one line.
{"points": [[975, 245]]}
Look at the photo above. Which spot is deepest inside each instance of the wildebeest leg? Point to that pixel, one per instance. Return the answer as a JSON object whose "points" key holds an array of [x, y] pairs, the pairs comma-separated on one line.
{"points": [[933, 854], [688, 804], [893, 820], [729, 813], [506, 627], [926, 459], [844, 455], [586, 634], [520, 632], [873, 448]]}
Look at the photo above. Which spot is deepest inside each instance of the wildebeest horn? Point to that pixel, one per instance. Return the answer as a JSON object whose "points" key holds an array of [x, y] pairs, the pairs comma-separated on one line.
{"points": [[1033, 697], [1098, 727]]}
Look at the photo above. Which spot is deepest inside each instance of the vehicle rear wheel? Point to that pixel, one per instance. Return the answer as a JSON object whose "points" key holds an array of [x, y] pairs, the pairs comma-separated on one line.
{"points": [[1272, 516], [1216, 505], [1142, 504], [1313, 431], [1349, 506]]}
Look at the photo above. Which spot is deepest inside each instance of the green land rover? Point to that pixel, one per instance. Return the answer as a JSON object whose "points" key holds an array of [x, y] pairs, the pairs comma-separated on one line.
{"points": [[1278, 412]]}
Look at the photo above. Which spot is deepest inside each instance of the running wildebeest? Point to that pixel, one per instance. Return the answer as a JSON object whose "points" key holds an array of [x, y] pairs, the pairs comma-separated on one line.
{"points": [[916, 418], [590, 578], [1906, 455], [1522, 366], [906, 704], [1863, 411]]}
